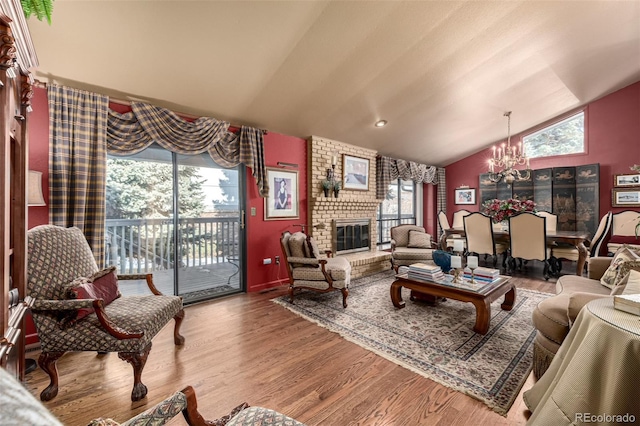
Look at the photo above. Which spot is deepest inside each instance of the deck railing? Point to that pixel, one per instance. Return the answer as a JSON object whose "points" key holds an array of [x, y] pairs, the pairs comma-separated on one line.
{"points": [[146, 245]]}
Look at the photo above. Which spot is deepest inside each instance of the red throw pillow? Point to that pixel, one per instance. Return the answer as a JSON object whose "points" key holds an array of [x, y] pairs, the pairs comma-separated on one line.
{"points": [[101, 285]]}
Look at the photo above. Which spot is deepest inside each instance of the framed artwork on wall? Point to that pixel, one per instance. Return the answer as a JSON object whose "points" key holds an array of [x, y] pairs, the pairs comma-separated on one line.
{"points": [[356, 173], [625, 197], [626, 180], [465, 196], [282, 202]]}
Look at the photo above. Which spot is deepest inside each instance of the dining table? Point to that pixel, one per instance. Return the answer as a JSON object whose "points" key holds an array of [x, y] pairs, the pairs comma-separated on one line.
{"points": [[576, 239]]}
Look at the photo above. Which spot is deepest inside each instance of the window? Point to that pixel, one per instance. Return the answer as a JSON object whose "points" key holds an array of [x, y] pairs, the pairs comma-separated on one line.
{"points": [[399, 207], [562, 138]]}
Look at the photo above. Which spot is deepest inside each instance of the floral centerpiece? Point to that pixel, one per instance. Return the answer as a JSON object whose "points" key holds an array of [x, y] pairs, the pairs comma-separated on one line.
{"points": [[501, 210]]}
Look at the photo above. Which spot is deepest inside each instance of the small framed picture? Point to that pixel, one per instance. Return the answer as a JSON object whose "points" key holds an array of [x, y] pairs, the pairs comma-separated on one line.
{"points": [[355, 171], [625, 197], [282, 202], [626, 180], [465, 196]]}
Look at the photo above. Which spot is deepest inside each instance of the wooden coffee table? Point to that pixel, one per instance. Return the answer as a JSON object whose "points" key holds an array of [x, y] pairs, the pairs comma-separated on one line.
{"points": [[480, 294]]}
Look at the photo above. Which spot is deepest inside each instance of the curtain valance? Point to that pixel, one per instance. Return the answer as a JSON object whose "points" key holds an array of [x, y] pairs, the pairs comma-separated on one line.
{"points": [[389, 169], [134, 131]]}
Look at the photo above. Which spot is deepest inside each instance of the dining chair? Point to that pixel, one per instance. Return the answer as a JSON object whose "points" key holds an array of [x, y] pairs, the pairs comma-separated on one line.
{"points": [[443, 221], [571, 253], [528, 241], [623, 231], [458, 218], [552, 221], [479, 237]]}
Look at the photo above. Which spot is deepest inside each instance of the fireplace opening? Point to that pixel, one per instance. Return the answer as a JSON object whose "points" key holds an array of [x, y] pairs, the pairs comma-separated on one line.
{"points": [[351, 235]]}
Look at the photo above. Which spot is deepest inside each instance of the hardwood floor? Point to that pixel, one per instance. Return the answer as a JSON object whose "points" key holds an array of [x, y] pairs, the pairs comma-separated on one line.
{"points": [[246, 348]]}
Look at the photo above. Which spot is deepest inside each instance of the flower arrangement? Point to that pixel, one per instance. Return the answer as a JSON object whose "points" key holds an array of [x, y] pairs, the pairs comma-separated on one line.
{"points": [[499, 210]]}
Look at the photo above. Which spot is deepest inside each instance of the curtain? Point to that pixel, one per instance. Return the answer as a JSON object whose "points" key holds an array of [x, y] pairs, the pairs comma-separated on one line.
{"points": [[132, 132], [77, 162], [390, 169], [441, 198]]}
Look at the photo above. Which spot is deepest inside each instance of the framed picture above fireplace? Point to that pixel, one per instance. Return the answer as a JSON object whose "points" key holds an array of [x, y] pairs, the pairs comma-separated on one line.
{"points": [[356, 173], [282, 202]]}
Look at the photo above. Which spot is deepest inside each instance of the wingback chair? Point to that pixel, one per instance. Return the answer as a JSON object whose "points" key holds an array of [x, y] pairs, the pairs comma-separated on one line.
{"points": [[623, 231], [59, 263], [307, 270], [411, 244]]}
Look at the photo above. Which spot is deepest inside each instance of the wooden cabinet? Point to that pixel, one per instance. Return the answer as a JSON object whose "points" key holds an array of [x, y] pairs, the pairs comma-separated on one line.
{"points": [[16, 62]]}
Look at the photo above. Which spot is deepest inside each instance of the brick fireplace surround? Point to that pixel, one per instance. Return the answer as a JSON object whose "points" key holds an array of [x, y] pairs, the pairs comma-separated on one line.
{"points": [[350, 204]]}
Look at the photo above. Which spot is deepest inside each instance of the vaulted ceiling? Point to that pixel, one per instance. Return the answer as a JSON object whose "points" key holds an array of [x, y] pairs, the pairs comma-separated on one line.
{"points": [[442, 73]]}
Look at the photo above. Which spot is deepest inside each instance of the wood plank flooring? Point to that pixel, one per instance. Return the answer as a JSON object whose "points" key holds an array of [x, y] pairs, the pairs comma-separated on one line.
{"points": [[246, 348]]}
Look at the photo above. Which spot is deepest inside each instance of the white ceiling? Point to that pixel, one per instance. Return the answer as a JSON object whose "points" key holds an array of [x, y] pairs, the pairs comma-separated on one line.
{"points": [[441, 72]]}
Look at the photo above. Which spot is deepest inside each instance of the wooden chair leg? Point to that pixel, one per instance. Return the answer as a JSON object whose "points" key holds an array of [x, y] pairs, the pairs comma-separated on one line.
{"points": [[291, 294], [178, 339], [47, 361], [137, 361], [345, 293]]}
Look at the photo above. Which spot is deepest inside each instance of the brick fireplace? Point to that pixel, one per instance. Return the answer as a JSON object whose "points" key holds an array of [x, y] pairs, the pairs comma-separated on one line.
{"points": [[351, 205]]}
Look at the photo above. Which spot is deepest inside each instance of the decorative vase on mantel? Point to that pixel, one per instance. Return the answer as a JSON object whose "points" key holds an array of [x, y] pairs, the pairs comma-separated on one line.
{"points": [[327, 186]]}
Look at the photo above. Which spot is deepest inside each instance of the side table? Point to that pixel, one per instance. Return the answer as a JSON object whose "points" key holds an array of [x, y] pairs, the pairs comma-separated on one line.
{"points": [[594, 377]]}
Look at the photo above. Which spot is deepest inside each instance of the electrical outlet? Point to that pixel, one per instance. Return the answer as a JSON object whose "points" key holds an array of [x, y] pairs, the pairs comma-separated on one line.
{"points": [[266, 261], [277, 260]]}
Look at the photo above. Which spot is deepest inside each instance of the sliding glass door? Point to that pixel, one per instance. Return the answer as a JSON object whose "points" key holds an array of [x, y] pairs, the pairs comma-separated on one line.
{"points": [[178, 217]]}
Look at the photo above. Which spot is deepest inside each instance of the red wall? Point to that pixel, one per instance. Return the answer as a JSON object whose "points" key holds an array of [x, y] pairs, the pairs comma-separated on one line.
{"points": [[263, 236], [612, 133]]}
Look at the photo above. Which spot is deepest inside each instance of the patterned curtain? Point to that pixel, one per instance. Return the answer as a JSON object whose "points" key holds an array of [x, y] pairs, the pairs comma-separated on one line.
{"points": [[441, 199], [132, 132], [77, 162], [389, 169]]}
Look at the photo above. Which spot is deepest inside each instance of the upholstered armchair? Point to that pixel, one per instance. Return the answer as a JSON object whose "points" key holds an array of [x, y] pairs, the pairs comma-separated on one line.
{"points": [[411, 244], [72, 312], [308, 270], [19, 407]]}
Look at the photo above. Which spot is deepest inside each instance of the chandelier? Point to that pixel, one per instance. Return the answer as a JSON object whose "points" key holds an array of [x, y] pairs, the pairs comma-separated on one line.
{"points": [[505, 158]]}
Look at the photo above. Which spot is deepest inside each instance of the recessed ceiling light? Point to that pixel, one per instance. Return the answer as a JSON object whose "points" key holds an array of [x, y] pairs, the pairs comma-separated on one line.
{"points": [[381, 123]]}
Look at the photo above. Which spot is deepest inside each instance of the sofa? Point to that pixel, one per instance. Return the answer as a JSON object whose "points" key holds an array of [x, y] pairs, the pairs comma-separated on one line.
{"points": [[553, 317]]}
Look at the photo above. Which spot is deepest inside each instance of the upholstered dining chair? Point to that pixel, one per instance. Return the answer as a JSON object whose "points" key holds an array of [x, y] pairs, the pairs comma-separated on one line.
{"points": [[528, 240], [570, 253], [552, 221], [479, 237], [443, 221], [308, 270], [79, 308], [411, 244], [458, 218]]}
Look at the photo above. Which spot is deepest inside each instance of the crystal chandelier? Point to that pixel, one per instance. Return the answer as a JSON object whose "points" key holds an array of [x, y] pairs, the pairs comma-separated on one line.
{"points": [[506, 158]]}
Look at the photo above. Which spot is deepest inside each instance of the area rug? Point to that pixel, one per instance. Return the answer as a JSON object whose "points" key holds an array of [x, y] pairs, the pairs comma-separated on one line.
{"points": [[437, 342]]}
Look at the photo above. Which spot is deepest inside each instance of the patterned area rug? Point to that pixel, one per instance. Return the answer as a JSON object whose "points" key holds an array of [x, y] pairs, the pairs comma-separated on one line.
{"points": [[435, 341]]}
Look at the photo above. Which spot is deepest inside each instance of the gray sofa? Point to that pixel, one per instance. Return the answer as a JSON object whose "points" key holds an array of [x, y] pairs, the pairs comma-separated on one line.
{"points": [[553, 317]]}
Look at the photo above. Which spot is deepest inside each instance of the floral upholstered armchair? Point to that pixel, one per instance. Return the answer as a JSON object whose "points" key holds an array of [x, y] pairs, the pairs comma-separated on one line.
{"points": [[79, 308], [411, 244], [308, 270]]}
